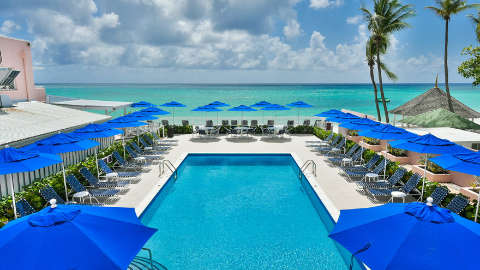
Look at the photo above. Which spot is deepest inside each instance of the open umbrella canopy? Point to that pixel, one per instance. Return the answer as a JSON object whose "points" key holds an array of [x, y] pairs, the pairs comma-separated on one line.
{"points": [[61, 143], [138, 116], [468, 162], [242, 108], [207, 108], [329, 113], [153, 111], [429, 144], [218, 104], [92, 131], [440, 118], [124, 122], [300, 104], [387, 132], [173, 104], [142, 104], [340, 118], [261, 104], [409, 236], [275, 107], [92, 237], [14, 160], [361, 124]]}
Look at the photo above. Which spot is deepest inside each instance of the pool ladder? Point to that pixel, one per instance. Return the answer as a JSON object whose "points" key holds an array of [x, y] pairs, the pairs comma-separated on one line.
{"points": [[305, 166], [168, 164]]}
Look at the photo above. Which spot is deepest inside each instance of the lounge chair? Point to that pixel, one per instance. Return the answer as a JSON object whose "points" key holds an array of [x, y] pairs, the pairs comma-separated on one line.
{"points": [[111, 174], [147, 149], [338, 160], [306, 123], [127, 165], [94, 182], [92, 194], [141, 159], [150, 147], [165, 123], [355, 159], [408, 188], [157, 141], [290, 124], [234, 123], [244, 123], [457, 204], [49, 193], [185, 123], [24, 208], [366, 167], [438, 195], [209, 123], [270, 123], [337, 150], [353, 175], [325, 148], [225, 123], [391, 182], [328, 139]]}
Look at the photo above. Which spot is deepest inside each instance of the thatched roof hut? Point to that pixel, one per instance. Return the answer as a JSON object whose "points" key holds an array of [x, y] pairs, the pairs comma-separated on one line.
{"points": [[433, 99]]}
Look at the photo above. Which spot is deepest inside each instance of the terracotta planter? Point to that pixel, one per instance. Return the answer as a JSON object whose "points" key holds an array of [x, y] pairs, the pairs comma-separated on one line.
{"points": [[355, 139], [439, 178], [400, 160], [468, 192], [375, 148]]}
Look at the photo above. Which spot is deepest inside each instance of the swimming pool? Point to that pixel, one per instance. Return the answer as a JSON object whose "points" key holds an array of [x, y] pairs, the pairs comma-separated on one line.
{"points": [[241, 212]]}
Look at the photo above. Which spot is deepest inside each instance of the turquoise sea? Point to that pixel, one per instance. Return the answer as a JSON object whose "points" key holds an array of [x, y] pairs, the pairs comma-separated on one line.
{"points": [[358, 97]]}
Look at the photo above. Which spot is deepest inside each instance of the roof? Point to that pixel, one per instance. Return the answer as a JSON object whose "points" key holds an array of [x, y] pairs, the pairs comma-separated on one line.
{"points": [[29, 121], [440, 118], [434, 98], [452, 134], [87, 104]]}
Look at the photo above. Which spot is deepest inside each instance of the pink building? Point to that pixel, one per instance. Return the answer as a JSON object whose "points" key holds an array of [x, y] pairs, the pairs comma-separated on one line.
{"points": [[16, 55]]}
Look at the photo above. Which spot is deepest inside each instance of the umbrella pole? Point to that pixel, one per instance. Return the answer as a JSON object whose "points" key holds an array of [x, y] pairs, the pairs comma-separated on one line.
{"points": [[385, 157], [13, 196], [424, 175], [478, 201], [64, 181], [298, 118], [96, 162]]}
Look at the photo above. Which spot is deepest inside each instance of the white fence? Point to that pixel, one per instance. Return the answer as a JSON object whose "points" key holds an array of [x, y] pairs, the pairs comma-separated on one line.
{"points": [[22, 179]]}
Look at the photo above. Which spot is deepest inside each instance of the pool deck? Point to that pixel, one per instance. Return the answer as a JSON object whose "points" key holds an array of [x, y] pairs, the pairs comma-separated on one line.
{"points": [[328, 182]]}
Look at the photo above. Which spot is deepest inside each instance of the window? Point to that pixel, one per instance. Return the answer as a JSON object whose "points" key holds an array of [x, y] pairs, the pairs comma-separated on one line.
{"points": [[476, 146], [7, 78]]}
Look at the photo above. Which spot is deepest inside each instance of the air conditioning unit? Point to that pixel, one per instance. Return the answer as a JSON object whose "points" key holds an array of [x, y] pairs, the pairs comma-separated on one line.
{"points": [[5, 101], [7, 76]]}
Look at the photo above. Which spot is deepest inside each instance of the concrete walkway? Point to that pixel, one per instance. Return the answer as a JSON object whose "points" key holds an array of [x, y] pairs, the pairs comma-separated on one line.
{"points": [[341, 193]]}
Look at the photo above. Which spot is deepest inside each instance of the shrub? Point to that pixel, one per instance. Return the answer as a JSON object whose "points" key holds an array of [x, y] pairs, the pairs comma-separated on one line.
{"points": [[397, 152], [371, 141], [301, 130]]}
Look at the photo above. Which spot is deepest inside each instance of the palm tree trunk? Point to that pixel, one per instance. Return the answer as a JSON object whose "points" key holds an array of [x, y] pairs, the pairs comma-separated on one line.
{"points": [[372, 77], [447, 88], [380, 82]]}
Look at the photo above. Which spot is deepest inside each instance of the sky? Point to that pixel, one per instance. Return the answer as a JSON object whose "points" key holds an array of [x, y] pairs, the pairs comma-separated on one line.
{"points": [[224, 41]]}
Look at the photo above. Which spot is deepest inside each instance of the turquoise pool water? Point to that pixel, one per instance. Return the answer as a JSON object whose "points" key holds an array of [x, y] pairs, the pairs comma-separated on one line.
{"points": [[241, 212]]}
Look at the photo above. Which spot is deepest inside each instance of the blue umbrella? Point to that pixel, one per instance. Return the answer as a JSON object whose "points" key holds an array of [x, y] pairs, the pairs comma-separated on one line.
{"points": [[173, 104], [299, 104], [124, 122], [361, 124], [74, 237], [207, 108], [408, 236], [218, 104], [261, 104], [153, 111], [329, 113], [428, 144], [14, 160], [93, 131], [138, 116], [242, 108], [387, 132], [142, 104], [340, 118], [468, 162], [62, 143]]}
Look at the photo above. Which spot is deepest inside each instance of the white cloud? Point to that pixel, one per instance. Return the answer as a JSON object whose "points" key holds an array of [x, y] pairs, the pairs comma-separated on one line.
{"points": [[292, 29], [354, 20], [318, 4], [9, 27]]}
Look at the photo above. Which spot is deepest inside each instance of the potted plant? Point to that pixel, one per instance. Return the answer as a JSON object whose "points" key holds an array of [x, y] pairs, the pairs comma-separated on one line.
{"points": [[434, 172], [352, 135], [472, 191], [372, 144], [397, 155]]}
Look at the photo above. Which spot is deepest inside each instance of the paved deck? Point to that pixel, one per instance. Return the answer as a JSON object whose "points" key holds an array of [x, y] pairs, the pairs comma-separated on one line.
{"points": [[341, 193]]}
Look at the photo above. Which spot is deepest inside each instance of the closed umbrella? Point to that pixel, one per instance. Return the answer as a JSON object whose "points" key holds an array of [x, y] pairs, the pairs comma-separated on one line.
{"points": [[74, 237], [62, 143], [14, 160], [299, 105], [428, 144], [468, 163], [408, 236], [173, 104]]}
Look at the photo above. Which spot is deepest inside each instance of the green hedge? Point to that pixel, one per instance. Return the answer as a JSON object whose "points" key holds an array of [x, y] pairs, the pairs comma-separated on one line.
{"points": [[469, 211], [31, 192]]}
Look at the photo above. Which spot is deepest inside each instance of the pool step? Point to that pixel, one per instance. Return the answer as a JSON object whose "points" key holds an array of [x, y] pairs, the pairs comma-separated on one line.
{"points": [[143, 263]]}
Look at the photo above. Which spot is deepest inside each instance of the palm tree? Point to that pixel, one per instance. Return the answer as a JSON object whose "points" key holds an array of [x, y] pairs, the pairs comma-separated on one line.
{"points": [[476, 21], [370, 53], [388, 17], [445, 9]]}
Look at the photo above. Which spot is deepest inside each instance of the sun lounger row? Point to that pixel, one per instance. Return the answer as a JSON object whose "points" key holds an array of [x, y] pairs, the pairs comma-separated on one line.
{"points": [[254, 123]]}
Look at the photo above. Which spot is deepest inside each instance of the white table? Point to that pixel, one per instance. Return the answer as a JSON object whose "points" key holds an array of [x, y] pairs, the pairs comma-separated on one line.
{"points": [[398, 194], [371, 177], [347, 161]]}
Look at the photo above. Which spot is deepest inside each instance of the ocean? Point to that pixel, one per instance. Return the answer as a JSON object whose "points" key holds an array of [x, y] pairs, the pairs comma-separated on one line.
{"points": [[357, 97]]}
